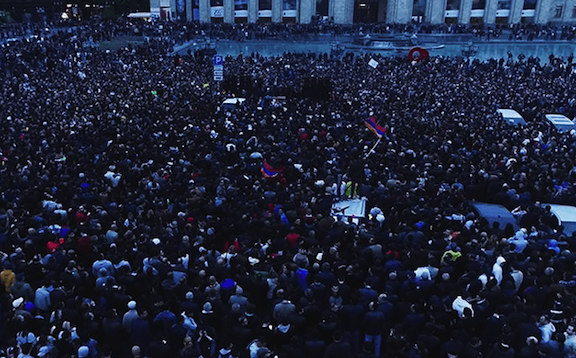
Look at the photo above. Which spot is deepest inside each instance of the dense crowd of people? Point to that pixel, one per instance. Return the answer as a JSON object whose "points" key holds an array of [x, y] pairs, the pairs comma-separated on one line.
{"points": [[137, 222], [186, 31]]}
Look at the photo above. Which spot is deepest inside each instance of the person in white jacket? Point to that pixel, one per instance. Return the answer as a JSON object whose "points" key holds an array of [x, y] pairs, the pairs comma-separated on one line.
{"points": [[519, 240], [547, 328], [463, 307], [497, 269]]}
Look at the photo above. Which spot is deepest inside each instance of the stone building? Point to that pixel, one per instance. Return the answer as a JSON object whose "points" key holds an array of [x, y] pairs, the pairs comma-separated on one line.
{"points": [[369, 11]]}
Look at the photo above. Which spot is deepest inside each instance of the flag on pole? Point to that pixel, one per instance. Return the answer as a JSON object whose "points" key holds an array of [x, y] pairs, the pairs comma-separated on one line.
{"points": [[269, 171], [375, 127]]}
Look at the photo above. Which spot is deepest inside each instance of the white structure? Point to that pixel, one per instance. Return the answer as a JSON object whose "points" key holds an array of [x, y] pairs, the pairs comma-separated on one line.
{"points": [[561, 122], [512, 117], [386, 11]]}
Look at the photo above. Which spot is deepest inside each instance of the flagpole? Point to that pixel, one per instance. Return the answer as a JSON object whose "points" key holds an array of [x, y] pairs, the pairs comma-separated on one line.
{"points": [[373, 147]]}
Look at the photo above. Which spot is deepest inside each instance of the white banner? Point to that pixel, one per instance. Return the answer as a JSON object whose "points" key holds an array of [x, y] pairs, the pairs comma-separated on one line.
{"points": [[241, 13], [528, 13], [289, 13], [452, 13], [217, 11], [477, 13]]}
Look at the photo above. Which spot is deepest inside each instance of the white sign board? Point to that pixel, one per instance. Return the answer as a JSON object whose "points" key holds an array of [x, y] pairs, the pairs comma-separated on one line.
{"points": [[218, 62], [373, 63], [477, 13], [528, 13], [217, 11], [452, 13], [503, 13]]}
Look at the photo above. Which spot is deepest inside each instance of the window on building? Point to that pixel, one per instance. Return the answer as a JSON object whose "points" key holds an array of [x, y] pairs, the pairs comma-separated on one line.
{"points": [[478, 4], [240, 4], [529, 5], [419, 8], [288, 4], [574, 12], [265, 5], [322, 7], [181, 10], [558, 11], [365, 11], [453, 5], [196, 9], [504, 4]]}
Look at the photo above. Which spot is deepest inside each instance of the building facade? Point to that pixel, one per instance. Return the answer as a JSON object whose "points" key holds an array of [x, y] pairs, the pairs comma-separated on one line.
{"points": [[33, 10], [369, 11], [53, 10]]}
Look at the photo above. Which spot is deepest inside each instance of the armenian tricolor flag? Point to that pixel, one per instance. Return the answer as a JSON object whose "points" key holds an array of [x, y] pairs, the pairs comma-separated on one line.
{"points": [[375, 127], [269, 171]]}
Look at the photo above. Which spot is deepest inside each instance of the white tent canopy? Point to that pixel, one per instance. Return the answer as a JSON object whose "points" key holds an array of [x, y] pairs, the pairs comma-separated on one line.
{"points": [[140, 15]]}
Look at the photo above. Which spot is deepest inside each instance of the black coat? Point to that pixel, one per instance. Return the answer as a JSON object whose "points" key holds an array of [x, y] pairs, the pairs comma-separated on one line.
{"points": [[339, 350]]}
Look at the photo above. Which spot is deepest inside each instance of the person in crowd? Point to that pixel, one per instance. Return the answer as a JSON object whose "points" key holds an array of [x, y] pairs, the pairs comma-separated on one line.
{"points": [[139, 217]]}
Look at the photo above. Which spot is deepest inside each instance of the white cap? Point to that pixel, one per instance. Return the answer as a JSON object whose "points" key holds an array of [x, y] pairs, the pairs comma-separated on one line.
{"points": [[132, 305], [18, 302], [83, 352]]}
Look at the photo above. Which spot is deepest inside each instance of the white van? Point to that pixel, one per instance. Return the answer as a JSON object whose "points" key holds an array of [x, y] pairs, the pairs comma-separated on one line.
{"points": [[561, 122], [495, 213], [512, 117], [566, 215], [230, 103]]}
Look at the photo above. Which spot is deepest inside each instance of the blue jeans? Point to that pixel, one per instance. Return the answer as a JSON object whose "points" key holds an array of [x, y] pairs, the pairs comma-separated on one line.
{"points": [[377, 340]]}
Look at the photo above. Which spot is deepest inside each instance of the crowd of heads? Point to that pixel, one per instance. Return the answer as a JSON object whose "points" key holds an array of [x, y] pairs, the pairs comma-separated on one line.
{"points": [[179, 32], [136, 220]]}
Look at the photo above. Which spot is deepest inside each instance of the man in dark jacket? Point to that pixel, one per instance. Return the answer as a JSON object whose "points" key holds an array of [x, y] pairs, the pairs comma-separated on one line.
{"points": [[372, 325], [339, 349]]}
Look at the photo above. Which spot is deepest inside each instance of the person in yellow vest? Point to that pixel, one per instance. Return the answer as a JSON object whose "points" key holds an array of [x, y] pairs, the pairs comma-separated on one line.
{"points": [[351, 189]]}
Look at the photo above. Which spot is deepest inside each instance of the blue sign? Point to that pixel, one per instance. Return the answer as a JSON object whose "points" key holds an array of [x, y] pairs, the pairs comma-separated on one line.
{"points": [[218, 60]]}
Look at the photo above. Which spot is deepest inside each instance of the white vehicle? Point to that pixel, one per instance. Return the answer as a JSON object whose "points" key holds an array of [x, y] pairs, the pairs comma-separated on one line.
{"points": [[230, 103], [495, 213], [512, 117], [566, 215], [140, 15], [561, 122]]}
